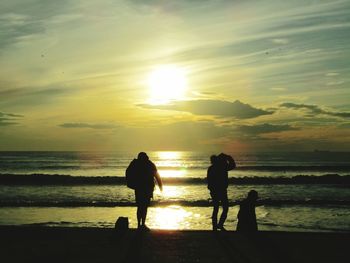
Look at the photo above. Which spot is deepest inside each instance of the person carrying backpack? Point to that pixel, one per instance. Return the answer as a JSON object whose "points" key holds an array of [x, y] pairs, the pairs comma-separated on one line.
{"points": [[140, 176]]}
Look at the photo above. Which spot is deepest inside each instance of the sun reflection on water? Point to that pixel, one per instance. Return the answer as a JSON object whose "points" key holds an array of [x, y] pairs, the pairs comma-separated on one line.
{"points": [[169, 192], [171, 217], [172, 173], [170, 155], [167, 159]]}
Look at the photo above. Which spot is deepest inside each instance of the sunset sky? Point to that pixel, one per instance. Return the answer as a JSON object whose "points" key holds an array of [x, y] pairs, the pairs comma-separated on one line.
{"points": [[175, 75]]}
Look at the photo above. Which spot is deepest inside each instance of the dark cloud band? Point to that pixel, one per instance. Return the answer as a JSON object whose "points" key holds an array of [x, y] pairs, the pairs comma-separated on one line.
{"points": [[8, 119], [87, 125], [221, 108], [315, 110], [265, 128]]}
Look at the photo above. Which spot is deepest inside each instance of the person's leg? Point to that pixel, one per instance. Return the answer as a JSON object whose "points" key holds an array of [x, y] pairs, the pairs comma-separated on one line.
{"points": [[139, 215], [214, 216], [144, 214], [146, 203], [224, 202], [138, 209]]}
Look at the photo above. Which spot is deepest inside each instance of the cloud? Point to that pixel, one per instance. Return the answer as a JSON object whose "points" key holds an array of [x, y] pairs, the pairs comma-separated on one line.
{"points": [[282, 41], [265, 128], [185, 135], [332, 74], [315, 110], [25, 20], [221, 108], [334, 83], [16, 27], [7, 119], [172, 7], [88, 125], [278, 89], [30, 96], [344, 125]]}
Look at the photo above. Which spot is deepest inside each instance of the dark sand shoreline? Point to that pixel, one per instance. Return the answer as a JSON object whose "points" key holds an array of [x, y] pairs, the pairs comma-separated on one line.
{"points": [[58, 244]]}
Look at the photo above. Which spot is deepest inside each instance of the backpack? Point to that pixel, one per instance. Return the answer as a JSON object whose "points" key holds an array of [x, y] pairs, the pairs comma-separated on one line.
{"points": [[131, 174], [122, 224]]}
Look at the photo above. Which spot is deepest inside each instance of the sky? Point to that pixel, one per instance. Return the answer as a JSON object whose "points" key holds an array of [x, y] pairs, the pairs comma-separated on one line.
{"points": [[256, 75]]}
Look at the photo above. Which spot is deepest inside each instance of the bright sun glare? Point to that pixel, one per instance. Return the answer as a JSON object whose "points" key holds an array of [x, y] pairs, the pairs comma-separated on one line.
{"points": [[170, 159], [166, 83], [169, 155], [171, 217]]}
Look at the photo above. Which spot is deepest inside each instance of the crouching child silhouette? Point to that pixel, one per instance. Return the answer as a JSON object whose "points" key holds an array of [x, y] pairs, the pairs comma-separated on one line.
{"points": [[140, 176], [246, 214]]}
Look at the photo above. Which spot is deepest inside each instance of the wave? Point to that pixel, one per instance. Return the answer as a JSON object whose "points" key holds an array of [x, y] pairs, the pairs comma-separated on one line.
{"points": [[57, 179], [99, 224], [303, 228], [106, 224], [49, 165], [197, 203], [296, 168]]}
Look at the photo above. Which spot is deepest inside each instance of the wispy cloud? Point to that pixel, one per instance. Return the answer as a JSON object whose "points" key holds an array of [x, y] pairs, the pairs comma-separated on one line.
{"points": [[7, 119], [24, 20], [265, 128], [278, 89], [220, 108], [88, 125], [315, 110], [332, 74], [282, 41], [34, 96], [15, 27]]}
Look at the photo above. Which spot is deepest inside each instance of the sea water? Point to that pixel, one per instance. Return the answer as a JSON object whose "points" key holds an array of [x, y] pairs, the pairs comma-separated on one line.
{"points": [[300, 191]]}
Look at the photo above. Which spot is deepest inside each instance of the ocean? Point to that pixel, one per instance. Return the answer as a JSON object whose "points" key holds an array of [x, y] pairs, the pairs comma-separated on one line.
{"points": [[298, 191]]}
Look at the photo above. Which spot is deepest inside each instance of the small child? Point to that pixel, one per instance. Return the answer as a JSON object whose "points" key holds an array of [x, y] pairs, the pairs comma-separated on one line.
{"points": [[246, 214]]}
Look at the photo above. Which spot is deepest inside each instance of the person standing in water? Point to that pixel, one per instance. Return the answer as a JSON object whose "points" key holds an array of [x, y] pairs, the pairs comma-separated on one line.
{"points": [[143, 174], [217, 179]]}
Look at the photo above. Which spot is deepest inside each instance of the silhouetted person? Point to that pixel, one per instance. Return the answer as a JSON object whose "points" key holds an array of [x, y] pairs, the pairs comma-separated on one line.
{"points": [[246, 214], [217, 178], [146, 172]]}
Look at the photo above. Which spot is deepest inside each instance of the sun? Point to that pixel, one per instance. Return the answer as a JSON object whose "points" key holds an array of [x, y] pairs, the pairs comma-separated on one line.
{"points": [[167, 83]]}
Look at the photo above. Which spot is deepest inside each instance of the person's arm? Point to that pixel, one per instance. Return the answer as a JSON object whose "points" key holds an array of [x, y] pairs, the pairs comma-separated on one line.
{"points": [[258, 203], [209, 178], [231, 163], [159, 180], [156, 176]]}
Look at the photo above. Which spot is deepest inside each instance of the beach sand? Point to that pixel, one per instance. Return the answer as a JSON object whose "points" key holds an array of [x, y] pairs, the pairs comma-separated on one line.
{"points": [[39, 244]]}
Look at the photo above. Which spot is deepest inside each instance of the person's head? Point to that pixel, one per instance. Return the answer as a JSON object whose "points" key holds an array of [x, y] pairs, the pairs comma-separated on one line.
{"points": [[221, 159], [253, 195], [213, 159], [142, 156]]}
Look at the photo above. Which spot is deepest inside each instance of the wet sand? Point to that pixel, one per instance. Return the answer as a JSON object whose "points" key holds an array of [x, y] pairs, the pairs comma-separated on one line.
{"points": [[47, 244]]}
